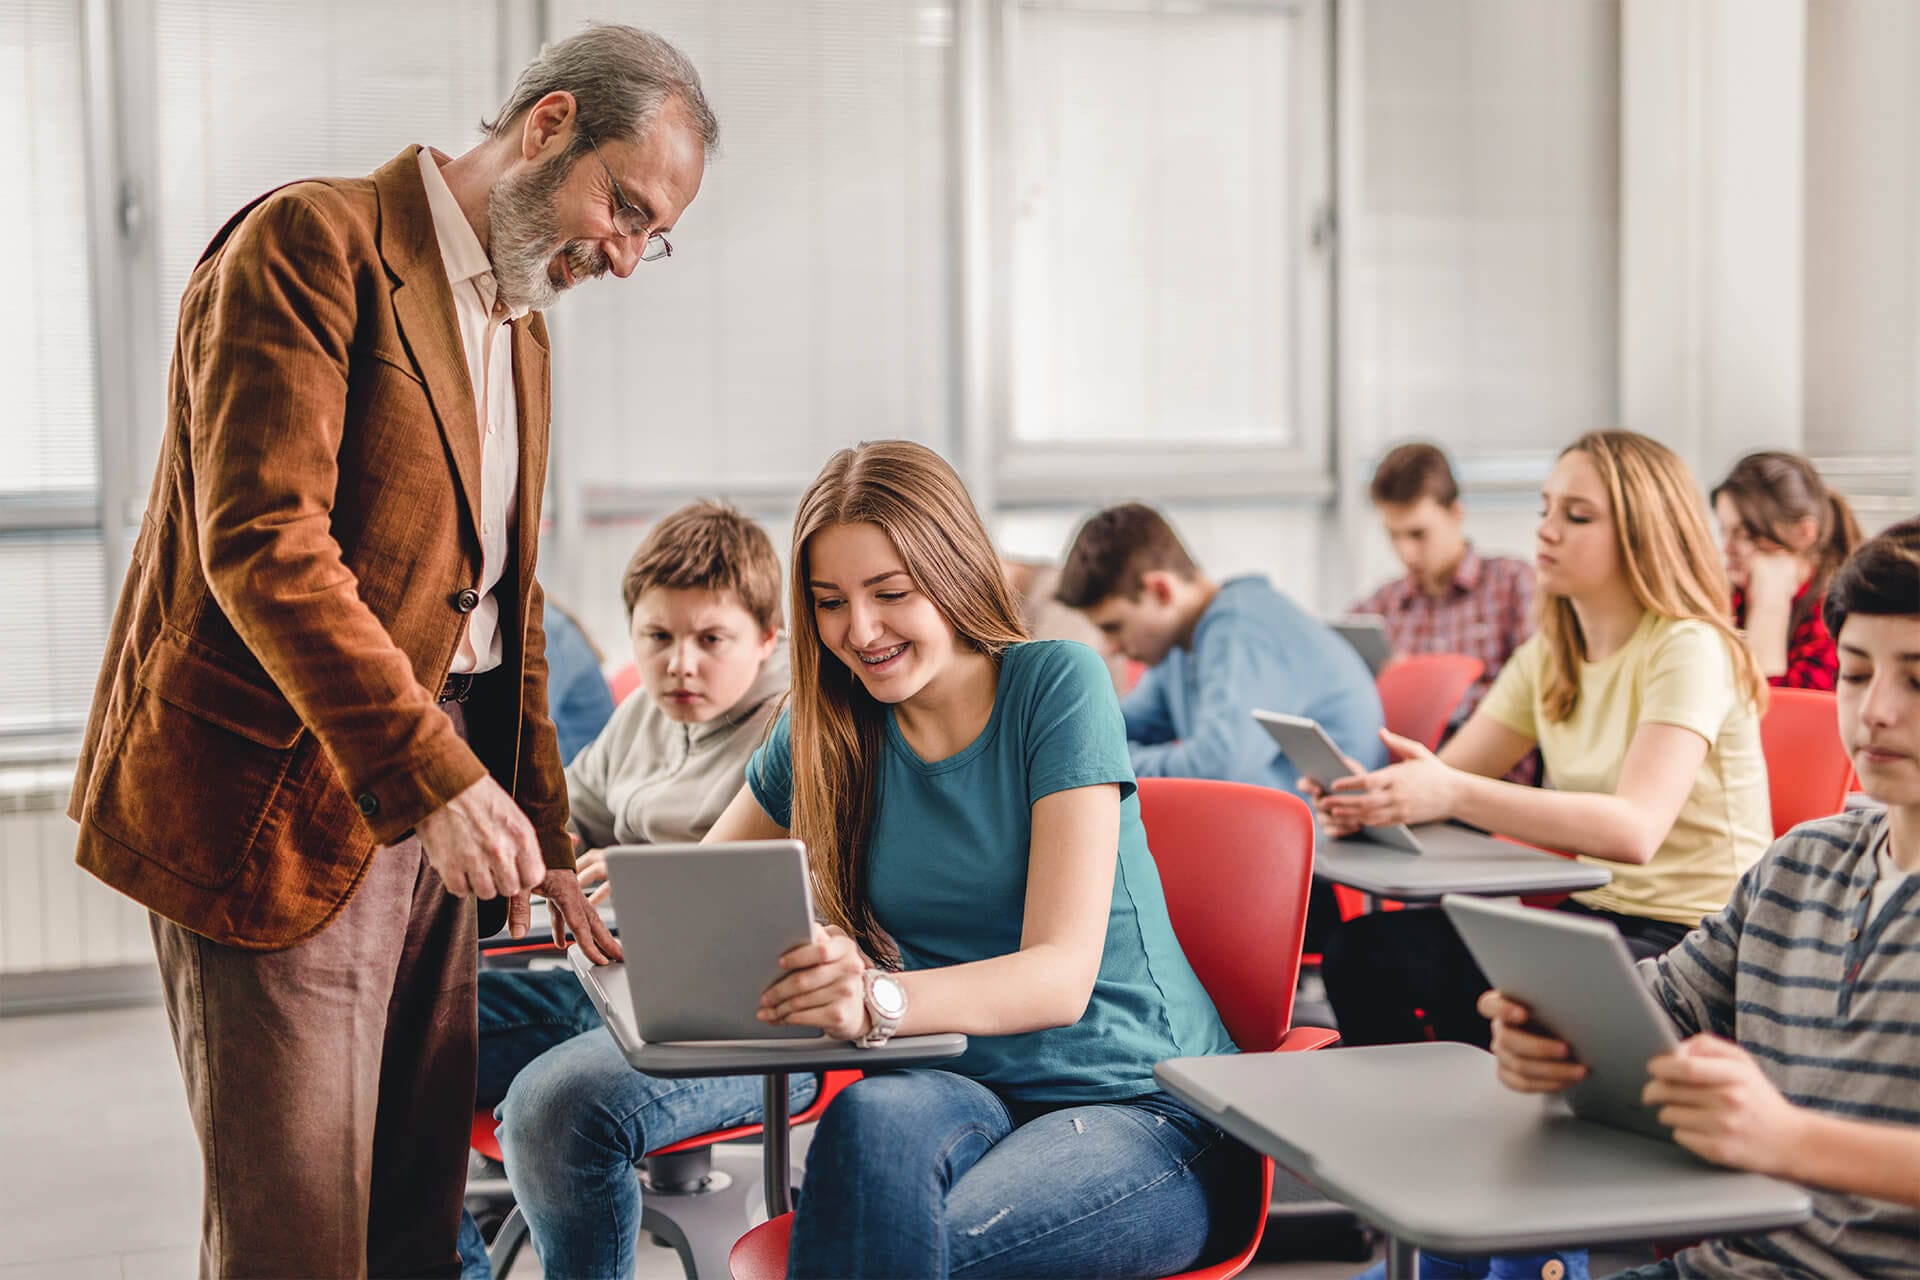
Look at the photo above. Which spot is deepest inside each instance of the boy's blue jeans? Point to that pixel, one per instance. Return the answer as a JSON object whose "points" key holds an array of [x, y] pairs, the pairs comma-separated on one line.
{"points": [[1498, 1267], [1506, 1266], [576, 1118], [928, 1173]]}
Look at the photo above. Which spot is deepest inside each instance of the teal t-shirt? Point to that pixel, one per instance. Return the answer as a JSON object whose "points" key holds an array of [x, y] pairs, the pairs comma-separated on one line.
{"points": [[948, 876]]}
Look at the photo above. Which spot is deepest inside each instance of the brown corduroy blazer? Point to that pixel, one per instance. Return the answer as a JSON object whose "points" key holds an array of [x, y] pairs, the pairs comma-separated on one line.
{"points": [[308, 560]]}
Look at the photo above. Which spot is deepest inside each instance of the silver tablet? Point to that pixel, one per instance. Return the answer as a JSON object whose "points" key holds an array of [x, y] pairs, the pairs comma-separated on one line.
{"points": [[1315, 758], [1367, 633], [703, 928], [1576, 976]]}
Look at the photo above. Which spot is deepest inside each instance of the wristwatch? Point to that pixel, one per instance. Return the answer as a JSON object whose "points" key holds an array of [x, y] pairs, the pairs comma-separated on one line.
{"points": [[886, 1005]]}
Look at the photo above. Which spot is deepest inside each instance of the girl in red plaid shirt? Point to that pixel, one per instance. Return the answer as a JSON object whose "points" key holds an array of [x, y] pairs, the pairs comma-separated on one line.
{"points": [[1783, 533]]}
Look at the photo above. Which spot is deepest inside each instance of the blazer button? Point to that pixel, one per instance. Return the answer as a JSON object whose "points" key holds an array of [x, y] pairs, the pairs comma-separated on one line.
{"points": [[467, 600], [369, 805]]}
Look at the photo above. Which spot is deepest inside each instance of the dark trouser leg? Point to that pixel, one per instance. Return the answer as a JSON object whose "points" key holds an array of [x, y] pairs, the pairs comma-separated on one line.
{"points": [[282, 1055], [1393, 976], [425, 1114], [286, 1055]]}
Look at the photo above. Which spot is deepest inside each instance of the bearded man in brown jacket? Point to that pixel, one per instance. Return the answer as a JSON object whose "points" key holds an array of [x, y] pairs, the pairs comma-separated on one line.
{"points": [[320, 735]]}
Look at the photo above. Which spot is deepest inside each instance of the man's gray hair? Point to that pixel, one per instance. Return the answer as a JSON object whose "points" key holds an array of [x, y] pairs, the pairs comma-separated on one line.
{"points": [[620, 77]]}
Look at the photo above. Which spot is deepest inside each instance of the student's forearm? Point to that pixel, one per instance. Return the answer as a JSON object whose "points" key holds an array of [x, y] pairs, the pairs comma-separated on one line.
{"points": [[1591, 823], [1029, 990], [1879, 1161], [1766, 635]]}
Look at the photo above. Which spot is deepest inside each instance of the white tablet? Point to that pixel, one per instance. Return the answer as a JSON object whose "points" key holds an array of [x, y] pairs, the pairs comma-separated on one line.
{"points": [[1577, 977], [703, 928], [1315, 758]]}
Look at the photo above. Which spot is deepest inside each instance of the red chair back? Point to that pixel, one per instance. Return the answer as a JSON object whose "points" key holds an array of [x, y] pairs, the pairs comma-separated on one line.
{"points": [[1808, 772], [623, 682], [1235, 861], [1420, 691]]}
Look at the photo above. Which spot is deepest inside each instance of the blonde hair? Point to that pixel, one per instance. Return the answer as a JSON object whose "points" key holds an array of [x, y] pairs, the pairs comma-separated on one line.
{"points": [[839, 730], [1667, 553]]}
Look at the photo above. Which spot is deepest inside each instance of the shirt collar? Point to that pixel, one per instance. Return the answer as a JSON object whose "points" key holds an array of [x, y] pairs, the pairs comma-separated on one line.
{"points": [[1466, 576], [460, 249]]}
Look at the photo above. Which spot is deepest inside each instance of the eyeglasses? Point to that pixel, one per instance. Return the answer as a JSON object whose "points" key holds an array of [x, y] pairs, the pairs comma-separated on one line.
{"points": [[628, 219]]}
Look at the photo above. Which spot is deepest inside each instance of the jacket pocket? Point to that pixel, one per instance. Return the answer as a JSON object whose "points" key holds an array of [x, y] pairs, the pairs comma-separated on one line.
{"points": [[199, 763]]}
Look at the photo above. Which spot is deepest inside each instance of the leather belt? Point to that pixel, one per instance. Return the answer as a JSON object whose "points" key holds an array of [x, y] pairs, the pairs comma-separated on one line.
{"points": [[459, 684]]}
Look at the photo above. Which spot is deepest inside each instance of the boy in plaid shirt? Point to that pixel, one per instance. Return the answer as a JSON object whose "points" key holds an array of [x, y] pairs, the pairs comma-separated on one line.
{"points": [[1452, 599]]}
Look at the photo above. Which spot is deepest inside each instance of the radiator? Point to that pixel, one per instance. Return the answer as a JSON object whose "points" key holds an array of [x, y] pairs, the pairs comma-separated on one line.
{"points": [[53, 915]]}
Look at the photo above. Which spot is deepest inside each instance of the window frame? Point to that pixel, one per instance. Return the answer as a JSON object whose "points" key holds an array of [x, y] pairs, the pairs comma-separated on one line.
{"points": [[1028, 473]]}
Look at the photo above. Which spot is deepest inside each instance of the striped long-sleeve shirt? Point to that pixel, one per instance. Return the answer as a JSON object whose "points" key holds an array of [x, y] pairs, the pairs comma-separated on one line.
{"points": [[1825, 994]]}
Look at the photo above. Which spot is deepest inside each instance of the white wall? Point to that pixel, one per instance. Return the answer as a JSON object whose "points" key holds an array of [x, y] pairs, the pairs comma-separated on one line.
{"points": [[1479, 194], [1862, 301]]}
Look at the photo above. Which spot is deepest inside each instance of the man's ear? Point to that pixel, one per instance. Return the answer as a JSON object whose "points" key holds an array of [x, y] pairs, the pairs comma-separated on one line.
{"points": [[1159, 586], [548, 125]]}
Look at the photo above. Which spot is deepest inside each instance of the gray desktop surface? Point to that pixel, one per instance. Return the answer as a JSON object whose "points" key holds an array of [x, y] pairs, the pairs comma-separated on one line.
{"points": [[749, 1057], [1456, 860], [1423, 1141]]}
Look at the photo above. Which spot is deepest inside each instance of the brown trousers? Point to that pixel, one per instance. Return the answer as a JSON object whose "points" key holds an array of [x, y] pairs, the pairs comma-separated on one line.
{"points": [[331, 1084]]}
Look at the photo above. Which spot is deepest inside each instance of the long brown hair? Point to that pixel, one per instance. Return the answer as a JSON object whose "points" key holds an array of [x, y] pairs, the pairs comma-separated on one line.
{"points": [[1667, 552], [839, 729], [1775, 490]]}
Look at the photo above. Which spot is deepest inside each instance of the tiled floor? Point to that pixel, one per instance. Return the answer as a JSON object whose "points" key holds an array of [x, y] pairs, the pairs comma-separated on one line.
{"points": [[101, 1177]]}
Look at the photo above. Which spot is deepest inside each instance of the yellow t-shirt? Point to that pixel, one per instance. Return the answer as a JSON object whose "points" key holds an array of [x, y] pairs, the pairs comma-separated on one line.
{"points": [[1671, 671]]}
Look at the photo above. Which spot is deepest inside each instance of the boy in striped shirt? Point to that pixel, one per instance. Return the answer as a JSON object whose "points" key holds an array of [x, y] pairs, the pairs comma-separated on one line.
{"points": [[1801, 1000]]}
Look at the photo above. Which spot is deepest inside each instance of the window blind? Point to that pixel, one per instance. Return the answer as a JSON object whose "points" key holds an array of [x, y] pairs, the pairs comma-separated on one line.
{"points": [[256, 93], [51, 632], [808, 301], [1152, 223], [48, 442]]}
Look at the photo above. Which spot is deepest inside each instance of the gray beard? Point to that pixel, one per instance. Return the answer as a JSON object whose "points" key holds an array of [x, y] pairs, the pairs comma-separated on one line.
{"points": [[521, 213]]}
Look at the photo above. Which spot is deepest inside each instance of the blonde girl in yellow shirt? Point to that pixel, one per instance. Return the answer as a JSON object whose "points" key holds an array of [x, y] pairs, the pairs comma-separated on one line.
{"points": [[1645, 707]]}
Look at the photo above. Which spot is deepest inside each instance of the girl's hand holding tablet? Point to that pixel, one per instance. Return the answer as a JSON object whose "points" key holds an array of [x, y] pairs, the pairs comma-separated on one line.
{"points": [[1419, 788], [824, 987]]}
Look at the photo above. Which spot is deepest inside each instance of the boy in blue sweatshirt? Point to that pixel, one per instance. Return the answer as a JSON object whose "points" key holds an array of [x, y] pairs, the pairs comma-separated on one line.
{"points": [[1215, 651]]}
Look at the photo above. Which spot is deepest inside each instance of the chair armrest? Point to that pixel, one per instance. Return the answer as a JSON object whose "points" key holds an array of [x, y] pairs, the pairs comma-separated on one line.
{"points": [[1301, 1038]]}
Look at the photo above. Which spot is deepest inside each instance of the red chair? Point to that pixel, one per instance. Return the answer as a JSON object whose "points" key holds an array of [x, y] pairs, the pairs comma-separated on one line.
{"points": [[1420, 692], [623, 682], [676, 1175], [1808, 772], [1235, 861]]}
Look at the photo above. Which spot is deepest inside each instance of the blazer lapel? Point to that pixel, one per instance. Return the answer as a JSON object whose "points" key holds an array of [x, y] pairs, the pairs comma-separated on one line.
{"points": [[423, 307], [533, 402]]}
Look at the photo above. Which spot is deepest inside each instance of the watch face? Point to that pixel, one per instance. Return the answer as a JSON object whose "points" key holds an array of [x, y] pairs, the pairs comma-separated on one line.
{"points": [[889, 997]]}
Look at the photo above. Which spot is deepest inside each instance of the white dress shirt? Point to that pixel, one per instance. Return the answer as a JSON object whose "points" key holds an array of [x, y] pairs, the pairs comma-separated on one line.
{"points": [[489, 349]]}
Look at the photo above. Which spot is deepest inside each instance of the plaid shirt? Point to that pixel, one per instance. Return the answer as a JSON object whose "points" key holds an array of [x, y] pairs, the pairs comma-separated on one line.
{"points": [[1812, 660], [1485, 612]]}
